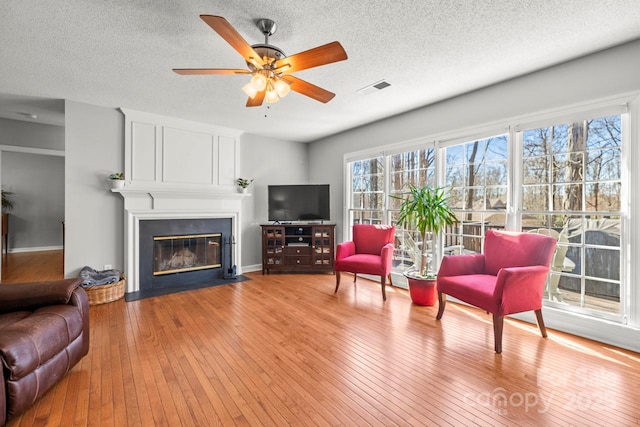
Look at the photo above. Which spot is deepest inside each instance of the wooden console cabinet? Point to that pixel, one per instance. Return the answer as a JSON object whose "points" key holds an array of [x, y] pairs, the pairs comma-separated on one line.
{"points": [[298, 247]]}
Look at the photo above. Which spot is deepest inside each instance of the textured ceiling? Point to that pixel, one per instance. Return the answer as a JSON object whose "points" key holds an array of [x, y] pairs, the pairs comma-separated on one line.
{"points": [[119, 53]]}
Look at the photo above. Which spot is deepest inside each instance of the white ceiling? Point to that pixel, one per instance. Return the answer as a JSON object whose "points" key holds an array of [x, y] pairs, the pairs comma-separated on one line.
{"points": [[119, 53]]}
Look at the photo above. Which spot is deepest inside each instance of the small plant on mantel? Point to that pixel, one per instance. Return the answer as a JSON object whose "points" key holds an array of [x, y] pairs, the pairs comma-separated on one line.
{"points": [[243, 183], [116, 180]]}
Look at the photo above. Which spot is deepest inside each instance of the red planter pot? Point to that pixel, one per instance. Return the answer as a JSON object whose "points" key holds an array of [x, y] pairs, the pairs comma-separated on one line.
{"points": [[423, 291]]}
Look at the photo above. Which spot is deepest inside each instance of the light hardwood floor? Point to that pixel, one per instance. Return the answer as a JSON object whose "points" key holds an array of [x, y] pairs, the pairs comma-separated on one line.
{"points": [[285, 350], [32, 266]]}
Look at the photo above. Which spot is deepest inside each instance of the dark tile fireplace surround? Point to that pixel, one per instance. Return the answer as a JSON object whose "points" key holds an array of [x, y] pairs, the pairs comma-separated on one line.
{"points": [[183, 254]]}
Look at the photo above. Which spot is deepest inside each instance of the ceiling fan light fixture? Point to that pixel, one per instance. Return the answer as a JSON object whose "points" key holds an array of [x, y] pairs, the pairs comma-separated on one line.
{"points": [[271, 95], [250, 90], [259, 82], [282, 87]]}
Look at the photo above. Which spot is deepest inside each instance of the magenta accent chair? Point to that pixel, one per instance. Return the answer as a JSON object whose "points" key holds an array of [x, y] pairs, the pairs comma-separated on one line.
{"points": [[370, 252], [509, 277]]}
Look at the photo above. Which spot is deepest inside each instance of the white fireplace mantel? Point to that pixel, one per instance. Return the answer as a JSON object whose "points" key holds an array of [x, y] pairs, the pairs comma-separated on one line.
{"points": [[154, 203]]}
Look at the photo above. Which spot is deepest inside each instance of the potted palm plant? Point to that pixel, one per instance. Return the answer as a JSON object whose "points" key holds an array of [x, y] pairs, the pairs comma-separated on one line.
{"points": [[425, 209]]}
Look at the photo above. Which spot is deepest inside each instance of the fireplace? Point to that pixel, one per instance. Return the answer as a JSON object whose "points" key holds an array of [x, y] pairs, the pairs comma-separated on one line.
{"points": [[183, 252], [184, 211]]}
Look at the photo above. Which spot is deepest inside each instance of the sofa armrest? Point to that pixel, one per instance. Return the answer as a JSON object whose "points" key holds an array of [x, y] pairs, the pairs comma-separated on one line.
{"points": [[461, 265], [80, 299], [29, 296]]}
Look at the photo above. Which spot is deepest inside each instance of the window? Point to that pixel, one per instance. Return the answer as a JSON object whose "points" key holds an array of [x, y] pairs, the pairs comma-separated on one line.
{"points": [[476, 174], [367, 191], [417, 167], [572, 186], [564, 180]]}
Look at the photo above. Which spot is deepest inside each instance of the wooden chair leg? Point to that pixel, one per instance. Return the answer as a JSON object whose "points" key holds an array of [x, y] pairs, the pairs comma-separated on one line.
{"points": [[442, 301], [390, 281], [498, 323], [384, 285], [355, 276], [337, 281], [540, 320]]}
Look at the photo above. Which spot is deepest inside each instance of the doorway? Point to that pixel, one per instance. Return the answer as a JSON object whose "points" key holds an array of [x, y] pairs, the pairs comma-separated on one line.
{"points": [[34, 247]]}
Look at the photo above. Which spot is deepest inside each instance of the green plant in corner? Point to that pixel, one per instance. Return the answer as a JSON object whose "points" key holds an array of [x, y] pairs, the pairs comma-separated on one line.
{"points": [[7, 203], [427, 210], [243, 183]]}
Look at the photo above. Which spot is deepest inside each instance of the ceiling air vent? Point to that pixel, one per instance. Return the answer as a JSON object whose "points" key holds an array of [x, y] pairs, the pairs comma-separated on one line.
{"points": [[374, 87]]}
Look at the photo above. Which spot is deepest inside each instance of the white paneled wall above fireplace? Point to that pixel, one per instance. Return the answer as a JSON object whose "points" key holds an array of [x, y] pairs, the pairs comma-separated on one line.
{"points": [[169, 152]]}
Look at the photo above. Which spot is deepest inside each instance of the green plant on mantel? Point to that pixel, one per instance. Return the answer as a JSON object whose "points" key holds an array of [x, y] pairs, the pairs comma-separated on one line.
{"points": [[117, 175], [7, 203], [427, 210], [244, 183]]}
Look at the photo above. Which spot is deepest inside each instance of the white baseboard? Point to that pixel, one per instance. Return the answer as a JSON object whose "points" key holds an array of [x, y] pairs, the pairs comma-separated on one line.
{"points": [[604, 331], [35, 249], [251, 268]]}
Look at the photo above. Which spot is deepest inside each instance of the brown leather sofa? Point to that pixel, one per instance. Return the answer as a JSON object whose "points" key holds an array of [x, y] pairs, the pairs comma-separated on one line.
{"points": [[44, 332]]}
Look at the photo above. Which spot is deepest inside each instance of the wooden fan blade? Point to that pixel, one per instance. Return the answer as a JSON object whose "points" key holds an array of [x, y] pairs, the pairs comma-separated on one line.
{"points": [[231, 36], [207, 71], [256, 101], [308, 89], [321, 55]]}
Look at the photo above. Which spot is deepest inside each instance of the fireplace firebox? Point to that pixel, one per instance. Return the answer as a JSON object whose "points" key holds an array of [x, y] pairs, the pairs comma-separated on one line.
{"points": [[179, 254], [183, 252]]}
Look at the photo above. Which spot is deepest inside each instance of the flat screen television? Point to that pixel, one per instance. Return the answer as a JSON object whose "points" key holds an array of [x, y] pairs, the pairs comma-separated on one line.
{"points": [[298, 202]]}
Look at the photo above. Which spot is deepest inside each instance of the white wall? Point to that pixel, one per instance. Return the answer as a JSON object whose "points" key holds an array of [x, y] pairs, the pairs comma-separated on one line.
{"points": [[268, 161], [37, 180], [27, 134], [94, 142]]}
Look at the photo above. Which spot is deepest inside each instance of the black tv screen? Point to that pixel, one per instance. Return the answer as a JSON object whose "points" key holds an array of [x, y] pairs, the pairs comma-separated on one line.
{"points": [[298, 202]]}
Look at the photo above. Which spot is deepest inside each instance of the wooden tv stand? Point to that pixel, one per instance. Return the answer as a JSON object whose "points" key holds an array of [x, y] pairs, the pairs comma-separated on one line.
{"points": [[298, 247]]}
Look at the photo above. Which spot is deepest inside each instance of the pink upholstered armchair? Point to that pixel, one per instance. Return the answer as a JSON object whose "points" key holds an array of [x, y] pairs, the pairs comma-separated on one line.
{"points": [[509, 277], [370, 252]]}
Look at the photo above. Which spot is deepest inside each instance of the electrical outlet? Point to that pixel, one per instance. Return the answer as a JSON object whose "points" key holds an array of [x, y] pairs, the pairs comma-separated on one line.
{"points": [[108, 267]]}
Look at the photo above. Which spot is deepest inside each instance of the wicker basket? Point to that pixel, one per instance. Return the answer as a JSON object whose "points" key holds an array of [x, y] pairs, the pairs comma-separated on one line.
{"points": [[106, 293]]}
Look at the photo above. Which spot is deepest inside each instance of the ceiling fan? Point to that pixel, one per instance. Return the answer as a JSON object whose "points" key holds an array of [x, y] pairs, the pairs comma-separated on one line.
{"points": [[270, 68]]}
